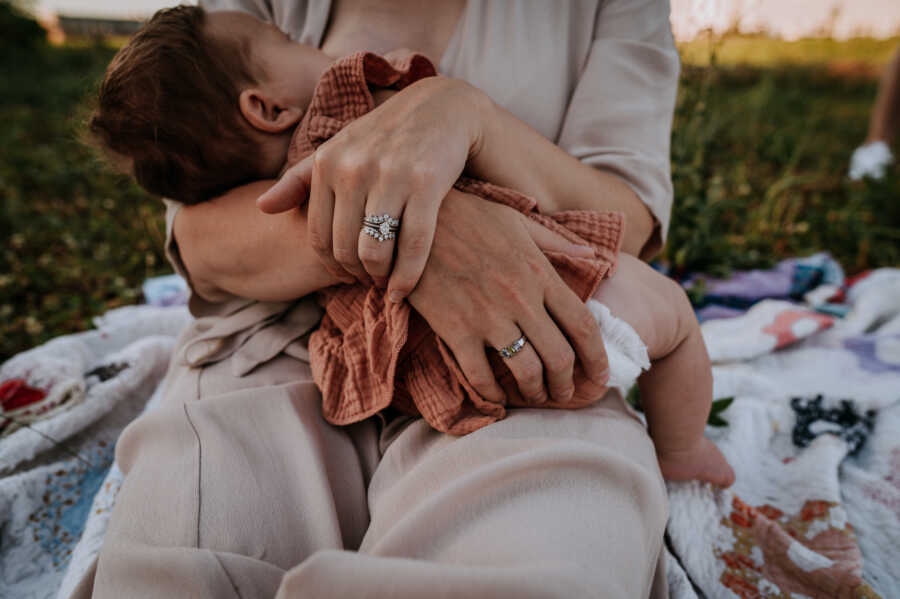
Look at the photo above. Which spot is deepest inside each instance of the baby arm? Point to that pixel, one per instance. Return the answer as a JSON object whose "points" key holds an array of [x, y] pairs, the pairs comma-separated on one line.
{"points": [[676, 392]]}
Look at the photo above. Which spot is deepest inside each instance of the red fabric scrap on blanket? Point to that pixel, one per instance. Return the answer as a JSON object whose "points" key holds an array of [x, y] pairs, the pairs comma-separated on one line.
{"points": [[15, 394]]}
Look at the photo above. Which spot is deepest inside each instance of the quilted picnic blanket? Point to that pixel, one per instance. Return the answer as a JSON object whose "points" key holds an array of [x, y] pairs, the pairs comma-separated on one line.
{"points": [[811, 361], [813, 434]]}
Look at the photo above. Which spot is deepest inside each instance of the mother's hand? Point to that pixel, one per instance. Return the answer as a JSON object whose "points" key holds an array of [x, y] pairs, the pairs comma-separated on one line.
{"points": [[487, 282], [400, 159]]}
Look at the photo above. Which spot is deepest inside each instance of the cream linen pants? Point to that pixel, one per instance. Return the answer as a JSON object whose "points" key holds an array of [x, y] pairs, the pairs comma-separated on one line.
{"points": [[236, 487]]}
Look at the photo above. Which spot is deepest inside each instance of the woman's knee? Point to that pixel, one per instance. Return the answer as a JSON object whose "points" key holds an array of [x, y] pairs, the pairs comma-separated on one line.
{"points": [[541, 461]]}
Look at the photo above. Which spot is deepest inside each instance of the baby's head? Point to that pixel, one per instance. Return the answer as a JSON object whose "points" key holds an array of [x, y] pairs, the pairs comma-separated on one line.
{"points": [[199, 102]]}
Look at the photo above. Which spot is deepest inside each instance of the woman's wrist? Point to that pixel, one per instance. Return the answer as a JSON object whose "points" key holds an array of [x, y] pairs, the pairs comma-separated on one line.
{"points": [[230, 248], [507, 152], [481, 113]]}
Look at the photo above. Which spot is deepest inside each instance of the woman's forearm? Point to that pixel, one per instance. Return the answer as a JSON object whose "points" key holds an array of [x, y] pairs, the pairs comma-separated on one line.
{"points": [[229, 246], [510, 153]]}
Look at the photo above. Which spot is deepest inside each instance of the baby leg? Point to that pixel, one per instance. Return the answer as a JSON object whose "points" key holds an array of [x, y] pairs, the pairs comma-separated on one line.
{"points": [[676, 393]]}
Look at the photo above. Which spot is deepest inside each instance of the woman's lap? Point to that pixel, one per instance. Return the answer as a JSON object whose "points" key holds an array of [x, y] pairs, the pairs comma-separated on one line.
{"points": [[544, 503], [252, 491]]}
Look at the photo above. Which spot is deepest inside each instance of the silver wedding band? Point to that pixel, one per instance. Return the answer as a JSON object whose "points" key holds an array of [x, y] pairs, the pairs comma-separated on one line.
{"points": [[515, 347], [381, 227]]}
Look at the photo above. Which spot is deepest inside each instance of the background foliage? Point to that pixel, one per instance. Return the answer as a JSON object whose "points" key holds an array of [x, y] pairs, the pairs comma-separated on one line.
{"points": [[759, 158], [759, 164], [75, 238]]}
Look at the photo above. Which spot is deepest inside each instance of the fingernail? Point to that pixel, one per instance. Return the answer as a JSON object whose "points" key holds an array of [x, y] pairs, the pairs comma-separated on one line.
{"points": [[396, 297]]}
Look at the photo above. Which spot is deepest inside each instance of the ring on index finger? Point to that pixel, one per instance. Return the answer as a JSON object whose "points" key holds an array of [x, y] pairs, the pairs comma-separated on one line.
{"points": [[381, 227], [513, 348]]}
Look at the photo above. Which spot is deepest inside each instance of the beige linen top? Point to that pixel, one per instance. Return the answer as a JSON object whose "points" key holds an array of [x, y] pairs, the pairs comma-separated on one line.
{"points": [[598, 77]]}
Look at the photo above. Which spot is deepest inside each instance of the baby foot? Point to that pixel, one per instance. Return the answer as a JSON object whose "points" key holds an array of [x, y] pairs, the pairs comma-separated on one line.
{"points": [[703, 462]]}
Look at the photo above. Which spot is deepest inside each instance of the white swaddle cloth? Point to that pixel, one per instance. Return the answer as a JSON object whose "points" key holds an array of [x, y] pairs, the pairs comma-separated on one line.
{"points": [[625, 351]]}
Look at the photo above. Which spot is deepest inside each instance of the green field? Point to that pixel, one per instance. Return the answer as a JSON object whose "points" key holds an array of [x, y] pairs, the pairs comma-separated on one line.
{"points": [[866, 53], [759, 161]]}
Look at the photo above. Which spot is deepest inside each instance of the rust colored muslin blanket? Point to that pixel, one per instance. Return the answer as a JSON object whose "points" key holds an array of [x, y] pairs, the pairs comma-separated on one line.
{"points": [[369, 353]]}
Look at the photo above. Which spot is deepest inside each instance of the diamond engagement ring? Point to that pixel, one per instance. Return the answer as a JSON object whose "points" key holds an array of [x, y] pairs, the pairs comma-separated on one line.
{"points": [[381, 227], [510, 350]]}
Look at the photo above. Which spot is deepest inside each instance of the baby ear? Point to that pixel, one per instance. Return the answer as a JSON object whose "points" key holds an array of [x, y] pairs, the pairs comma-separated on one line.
{"points": [[266, 114]]}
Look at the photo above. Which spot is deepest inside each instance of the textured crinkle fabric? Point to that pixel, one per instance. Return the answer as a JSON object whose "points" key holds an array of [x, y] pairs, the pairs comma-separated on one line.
{"points": [[369, 353]]}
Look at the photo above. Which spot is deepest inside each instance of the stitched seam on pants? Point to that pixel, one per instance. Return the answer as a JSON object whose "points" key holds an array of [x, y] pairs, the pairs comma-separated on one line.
{"points": [[659, 543], [199, 469]]}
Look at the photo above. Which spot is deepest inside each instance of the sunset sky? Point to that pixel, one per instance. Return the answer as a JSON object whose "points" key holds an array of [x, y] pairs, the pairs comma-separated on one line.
{"points": [[786, 18]]}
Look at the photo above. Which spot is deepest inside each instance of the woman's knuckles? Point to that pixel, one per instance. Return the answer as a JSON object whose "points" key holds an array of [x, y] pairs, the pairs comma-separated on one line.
{"points": [[415, 241], [530, 375], [391, 170], [318, 243], [350, 172], [536, 397], [587, 327], [561, 360], [374, 256], [483, 382], [565, 394], [345, 256], [596, 367], [422, 175], [322, 160], [400, 287], [342, 275]]}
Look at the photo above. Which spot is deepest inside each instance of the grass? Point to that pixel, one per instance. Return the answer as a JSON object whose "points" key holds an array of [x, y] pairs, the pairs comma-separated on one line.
{"points": [[759, 162], [75, 239], [867, 53], [759, 156]]}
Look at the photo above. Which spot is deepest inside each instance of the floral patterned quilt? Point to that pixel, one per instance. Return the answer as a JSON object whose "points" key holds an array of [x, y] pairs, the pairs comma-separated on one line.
{"points": [[813, 434]]}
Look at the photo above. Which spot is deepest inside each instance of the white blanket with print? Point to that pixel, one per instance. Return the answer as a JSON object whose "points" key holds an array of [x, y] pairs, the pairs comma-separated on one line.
{"points": [[813, 434]]}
